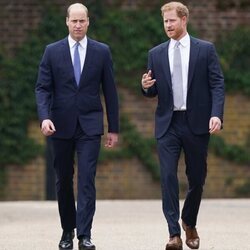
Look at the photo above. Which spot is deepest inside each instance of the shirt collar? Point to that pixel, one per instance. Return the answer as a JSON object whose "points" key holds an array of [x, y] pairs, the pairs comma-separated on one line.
{"points": [[184, 41], [72, 42]]}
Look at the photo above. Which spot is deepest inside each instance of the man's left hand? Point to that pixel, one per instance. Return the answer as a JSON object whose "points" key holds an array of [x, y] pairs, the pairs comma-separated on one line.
{"points": [[214, 125], [112, 139]]}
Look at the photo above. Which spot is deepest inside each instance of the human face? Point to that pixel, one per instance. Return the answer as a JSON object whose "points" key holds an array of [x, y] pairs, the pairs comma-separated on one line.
{"points": [[77, 23], [175, 27]]}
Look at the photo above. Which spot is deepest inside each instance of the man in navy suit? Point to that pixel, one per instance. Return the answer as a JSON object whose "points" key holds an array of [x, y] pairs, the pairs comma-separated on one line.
{"points": [[185, 74], [70, 112]]}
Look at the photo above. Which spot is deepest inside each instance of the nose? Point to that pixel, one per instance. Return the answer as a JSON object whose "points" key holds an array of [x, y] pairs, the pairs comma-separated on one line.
{"points": [[78, 24]]}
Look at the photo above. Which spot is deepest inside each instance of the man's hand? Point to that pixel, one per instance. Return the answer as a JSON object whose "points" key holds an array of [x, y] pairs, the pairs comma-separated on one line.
{"points": [[47, 127], [214, 125], [112, 139], [147, 80]]}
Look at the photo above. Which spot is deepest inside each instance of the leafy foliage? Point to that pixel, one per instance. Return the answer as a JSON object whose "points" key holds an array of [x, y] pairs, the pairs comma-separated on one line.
{"points": [[243, 190], [18, 77], [234, 52], [234, 153], [140, 147], [130, 34], [134, 145]]}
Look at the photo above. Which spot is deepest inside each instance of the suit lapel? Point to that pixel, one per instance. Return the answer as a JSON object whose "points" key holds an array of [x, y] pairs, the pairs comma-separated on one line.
{"points": [[66, 54], [194, 51], [67, 58], [90, 51], [165, 63]]}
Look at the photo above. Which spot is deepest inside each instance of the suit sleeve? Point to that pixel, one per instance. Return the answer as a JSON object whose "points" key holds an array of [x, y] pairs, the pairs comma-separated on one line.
{"points": [[110, 94], [216, 81], [43, 89]]}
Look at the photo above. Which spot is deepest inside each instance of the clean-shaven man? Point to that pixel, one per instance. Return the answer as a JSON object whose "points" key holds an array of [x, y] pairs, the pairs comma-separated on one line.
{"points": [[71, 74]]}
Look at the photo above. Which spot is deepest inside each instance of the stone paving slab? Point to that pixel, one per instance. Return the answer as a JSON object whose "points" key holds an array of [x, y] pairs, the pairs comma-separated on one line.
{"points": [[124, 225]]}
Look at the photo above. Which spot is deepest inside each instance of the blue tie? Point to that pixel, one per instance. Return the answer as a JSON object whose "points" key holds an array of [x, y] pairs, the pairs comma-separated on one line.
{"points": [[77, 64]]}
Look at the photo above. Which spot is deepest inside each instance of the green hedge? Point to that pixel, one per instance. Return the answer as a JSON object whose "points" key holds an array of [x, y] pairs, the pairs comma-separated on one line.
{"points": [[130, 35], [235, 153], [234, 51], [18, 77]]}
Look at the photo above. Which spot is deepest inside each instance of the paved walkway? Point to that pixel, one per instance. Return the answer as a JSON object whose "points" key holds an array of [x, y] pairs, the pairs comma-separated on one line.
{"points": [[124, 225]]}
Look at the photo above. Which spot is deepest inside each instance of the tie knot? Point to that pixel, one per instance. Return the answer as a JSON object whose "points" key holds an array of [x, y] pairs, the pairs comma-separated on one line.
{"points": [[177, 44], [77, 45]]}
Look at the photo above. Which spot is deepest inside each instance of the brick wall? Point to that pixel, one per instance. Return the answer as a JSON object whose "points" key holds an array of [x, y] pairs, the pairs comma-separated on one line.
{"points": [[211, 23], [18, 18], [237, 119], [224, 177], [25, 182], [125, 179], [128, 178]]}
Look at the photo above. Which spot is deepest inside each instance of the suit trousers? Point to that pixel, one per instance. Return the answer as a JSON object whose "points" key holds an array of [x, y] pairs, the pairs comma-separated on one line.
{"points": [[87, 149], [180, 137]]}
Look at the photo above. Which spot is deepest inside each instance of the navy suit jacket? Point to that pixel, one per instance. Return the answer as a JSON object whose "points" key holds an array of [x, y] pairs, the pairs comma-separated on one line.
{"points": [[205, 94], [60, 99]]}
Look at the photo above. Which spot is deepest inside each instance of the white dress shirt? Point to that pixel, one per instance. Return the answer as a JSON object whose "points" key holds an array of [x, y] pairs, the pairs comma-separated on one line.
{"points": [[185, 51], [82, 49]]}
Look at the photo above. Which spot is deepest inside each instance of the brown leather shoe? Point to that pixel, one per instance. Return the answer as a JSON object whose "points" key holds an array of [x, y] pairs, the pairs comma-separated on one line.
{"points": [[192, 237], [175, 243]]}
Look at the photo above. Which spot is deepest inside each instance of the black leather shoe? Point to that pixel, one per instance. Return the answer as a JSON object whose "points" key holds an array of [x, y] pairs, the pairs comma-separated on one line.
{"points": [[66, 241], [86, 244]]}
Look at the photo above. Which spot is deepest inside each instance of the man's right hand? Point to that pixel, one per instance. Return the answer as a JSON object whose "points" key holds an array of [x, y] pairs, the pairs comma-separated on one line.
{"points": [[47, 127], [147, 80]]}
